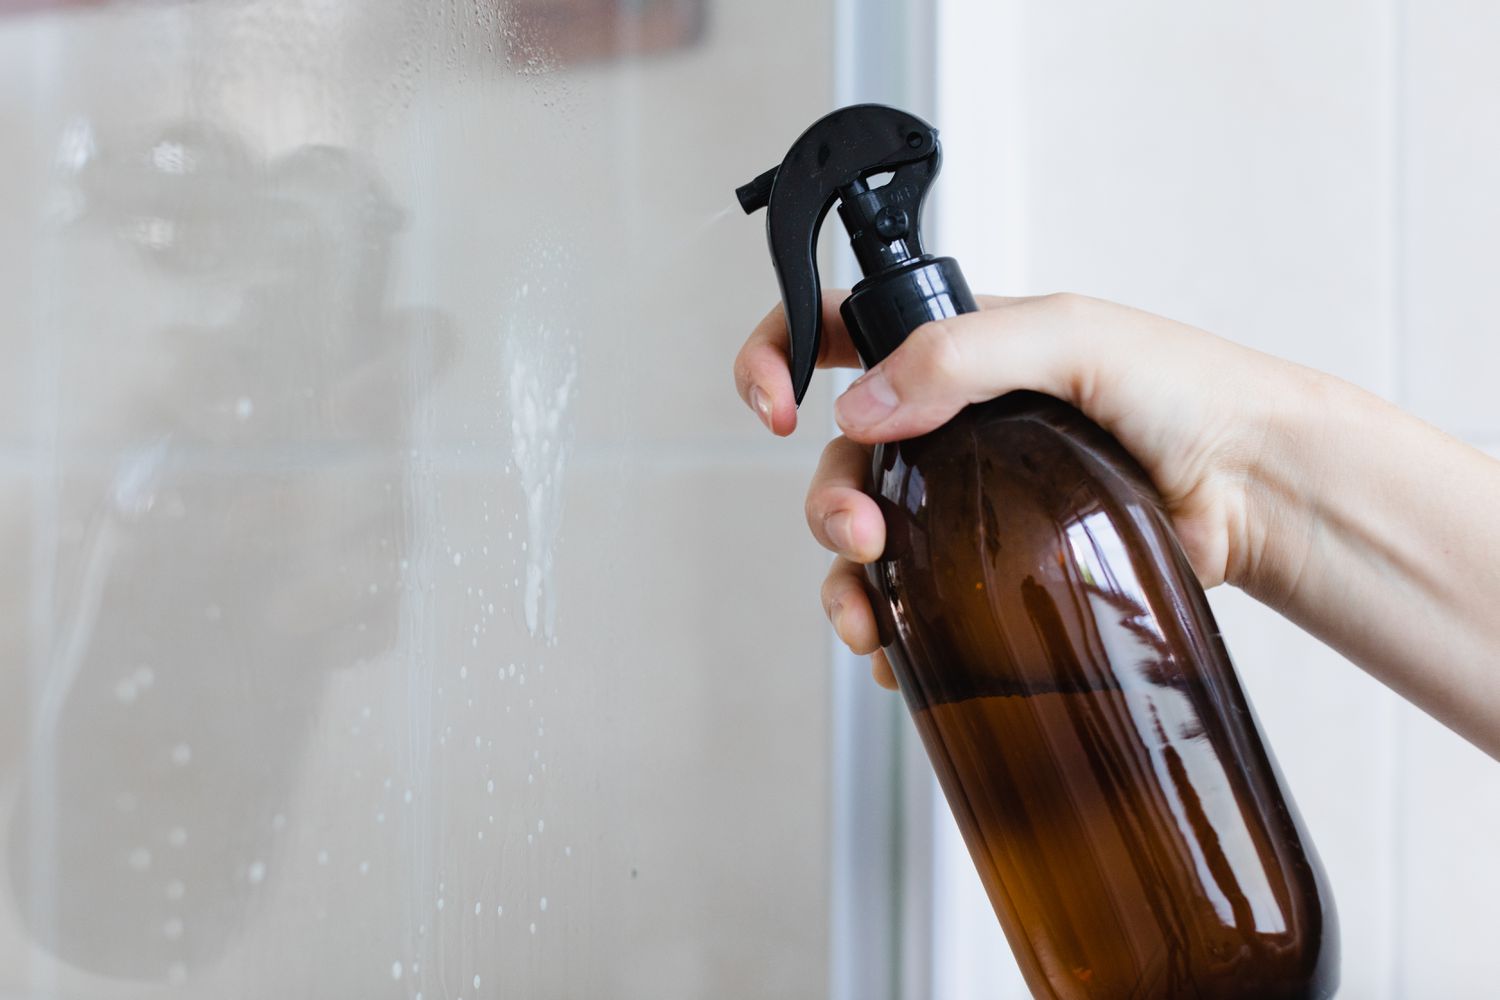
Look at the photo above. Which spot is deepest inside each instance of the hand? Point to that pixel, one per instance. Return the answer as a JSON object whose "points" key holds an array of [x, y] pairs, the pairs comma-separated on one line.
{"points": [[1201, 414]]}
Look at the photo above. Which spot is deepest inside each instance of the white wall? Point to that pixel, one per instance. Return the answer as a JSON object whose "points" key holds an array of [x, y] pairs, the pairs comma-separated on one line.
{"points": [[1321, 181]]}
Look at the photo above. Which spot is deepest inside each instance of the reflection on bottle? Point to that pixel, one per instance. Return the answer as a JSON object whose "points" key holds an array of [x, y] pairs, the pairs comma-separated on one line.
{"points": [[1084, 720], [241, 538]]}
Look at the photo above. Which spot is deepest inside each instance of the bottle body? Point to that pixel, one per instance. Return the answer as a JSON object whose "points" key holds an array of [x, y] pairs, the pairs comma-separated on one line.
{"points": [[1085, 721]]}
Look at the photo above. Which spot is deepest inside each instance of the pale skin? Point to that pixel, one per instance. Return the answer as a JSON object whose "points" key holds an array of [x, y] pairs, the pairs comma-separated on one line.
{"points": [[1372, 530]]}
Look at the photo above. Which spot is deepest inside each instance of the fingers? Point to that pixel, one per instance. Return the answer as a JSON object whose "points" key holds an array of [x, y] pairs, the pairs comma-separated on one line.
{"points": [[848, 607], [761, 371], [842, 517], [944, 366]]}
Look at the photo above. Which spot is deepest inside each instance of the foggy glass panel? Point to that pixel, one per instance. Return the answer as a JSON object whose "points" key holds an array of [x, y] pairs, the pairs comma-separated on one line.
{"points": [[398, 601]]}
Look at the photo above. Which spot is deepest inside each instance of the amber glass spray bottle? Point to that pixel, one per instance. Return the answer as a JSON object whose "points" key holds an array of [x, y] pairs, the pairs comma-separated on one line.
{"points": [[1053, 644]]}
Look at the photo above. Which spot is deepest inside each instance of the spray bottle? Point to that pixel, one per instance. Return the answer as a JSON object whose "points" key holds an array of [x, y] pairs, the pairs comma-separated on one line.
{"points": [[1052, 642]]}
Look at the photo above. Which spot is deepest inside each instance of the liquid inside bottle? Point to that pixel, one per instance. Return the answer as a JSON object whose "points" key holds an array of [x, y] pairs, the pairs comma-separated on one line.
{"points": [[1067, 678]]}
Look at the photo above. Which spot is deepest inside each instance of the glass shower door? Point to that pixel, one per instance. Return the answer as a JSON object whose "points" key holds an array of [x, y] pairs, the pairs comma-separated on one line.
{"points": [[399, 603]]}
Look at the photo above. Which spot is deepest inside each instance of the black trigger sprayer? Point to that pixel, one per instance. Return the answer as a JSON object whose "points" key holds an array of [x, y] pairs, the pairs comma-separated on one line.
{"points": [[1052, 641], [903, 287]]}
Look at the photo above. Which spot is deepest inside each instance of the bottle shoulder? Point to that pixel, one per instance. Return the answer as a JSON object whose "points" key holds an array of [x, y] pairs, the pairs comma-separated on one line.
{"points": [[1027, 448], [1016, 528]]}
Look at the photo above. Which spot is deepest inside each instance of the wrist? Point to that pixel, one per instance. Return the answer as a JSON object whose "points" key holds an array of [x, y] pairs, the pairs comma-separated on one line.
{"points": [[1296, 430]]}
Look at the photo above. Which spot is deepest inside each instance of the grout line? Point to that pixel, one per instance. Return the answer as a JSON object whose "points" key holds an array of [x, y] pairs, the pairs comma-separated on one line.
{"points": [[311, 458]]}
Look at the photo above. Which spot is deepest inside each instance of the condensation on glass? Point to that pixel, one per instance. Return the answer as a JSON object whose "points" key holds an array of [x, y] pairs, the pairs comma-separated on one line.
{"points": [[370, 624]]}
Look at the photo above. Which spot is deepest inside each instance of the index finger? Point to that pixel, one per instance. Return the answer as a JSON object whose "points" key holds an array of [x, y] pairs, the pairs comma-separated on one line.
{"points": [[761, 373]]}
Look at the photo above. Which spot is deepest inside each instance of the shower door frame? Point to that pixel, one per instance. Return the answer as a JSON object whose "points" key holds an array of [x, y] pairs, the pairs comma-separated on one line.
{"points": [[882, 845]]}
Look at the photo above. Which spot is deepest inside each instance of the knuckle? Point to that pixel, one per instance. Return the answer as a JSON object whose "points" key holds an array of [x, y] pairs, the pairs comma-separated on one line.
{"points": [[742, 374], [940, 351], [829, 592], [812, 509], [1069, 305], [774, 317]]}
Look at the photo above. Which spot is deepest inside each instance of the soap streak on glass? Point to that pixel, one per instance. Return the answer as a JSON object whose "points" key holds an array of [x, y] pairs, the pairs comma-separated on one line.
{"points": [[541, 365]]}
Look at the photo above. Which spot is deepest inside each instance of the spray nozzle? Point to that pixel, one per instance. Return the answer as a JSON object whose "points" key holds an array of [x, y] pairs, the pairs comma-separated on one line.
{"points": [[836, 159]]}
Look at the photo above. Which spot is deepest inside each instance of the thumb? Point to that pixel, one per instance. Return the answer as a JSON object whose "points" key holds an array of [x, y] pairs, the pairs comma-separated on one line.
{"points": [[945, 365]]}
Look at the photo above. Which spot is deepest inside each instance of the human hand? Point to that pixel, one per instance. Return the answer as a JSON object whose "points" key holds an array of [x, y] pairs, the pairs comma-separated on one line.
{"points": [[1204, 417]]}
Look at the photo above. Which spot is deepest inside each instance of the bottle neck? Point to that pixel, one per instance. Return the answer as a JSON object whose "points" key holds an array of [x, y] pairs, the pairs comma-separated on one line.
{"points": [[887, 306]]}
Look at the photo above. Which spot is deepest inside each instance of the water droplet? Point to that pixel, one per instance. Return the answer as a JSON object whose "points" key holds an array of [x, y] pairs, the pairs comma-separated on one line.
{"points": [[322, 857], [364, 867], [440, 902], [182, 754], [543, 904], [256, 873], [177, 836], [243, 407], [172, 929], [176, 889], [477, 908], [476, 980], [407, 796], [533, 927], [458, 558], [140, 859], [395, 970], [490, 786]]}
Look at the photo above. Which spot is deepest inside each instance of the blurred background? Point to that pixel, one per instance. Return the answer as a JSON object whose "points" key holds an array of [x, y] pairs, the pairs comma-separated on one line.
{"points": [[398, 600]]}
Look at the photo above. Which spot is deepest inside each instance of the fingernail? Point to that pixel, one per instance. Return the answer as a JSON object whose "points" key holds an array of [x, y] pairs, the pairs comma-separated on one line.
{"points": [[838, 525], [762, 403], [867, 402]]}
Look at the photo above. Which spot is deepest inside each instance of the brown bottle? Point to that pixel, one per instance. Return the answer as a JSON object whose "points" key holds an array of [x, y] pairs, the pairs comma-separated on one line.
{"points": [[1086, 724], [1053, 644]]}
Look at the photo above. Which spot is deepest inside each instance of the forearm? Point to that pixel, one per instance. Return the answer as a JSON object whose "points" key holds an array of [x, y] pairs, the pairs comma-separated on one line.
{"points": [[1381, 535]]}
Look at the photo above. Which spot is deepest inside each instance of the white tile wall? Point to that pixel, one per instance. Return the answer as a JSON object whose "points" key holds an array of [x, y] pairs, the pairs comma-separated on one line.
{"points": [[1450, 211], [1317, 181]]}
